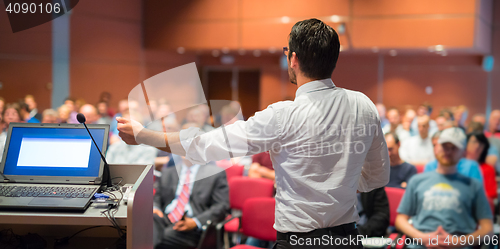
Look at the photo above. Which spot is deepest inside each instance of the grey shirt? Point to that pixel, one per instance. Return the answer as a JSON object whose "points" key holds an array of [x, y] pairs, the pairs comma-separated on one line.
{"points": [[455, 202]]}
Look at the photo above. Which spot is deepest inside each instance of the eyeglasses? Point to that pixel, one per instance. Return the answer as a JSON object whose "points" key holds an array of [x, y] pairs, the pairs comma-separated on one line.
{"points": [[285, 51]]}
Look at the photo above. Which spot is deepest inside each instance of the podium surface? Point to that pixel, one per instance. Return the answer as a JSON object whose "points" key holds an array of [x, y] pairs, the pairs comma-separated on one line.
{"points": [[136, 217]]}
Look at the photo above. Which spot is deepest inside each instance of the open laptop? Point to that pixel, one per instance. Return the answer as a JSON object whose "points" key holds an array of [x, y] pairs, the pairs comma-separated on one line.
{"points": [[51, 166]]}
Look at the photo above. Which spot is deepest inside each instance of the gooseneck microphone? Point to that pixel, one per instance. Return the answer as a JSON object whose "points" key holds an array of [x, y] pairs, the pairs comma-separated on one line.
{"points": [[106, 176]]}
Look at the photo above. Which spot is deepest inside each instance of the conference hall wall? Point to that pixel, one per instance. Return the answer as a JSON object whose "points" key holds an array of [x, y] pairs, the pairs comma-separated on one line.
{"points": [[114, 45]]}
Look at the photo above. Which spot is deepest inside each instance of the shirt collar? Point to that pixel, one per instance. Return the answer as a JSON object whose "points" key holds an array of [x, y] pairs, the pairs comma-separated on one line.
{"points": [[314, 85]]}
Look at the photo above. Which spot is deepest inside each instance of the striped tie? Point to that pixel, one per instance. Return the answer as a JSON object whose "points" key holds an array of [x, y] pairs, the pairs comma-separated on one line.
{"points": [[183, 199]]}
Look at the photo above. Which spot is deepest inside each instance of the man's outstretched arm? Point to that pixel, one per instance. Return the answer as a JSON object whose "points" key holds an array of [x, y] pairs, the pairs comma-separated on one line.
{"points": [[258, 134], [169, 142]]}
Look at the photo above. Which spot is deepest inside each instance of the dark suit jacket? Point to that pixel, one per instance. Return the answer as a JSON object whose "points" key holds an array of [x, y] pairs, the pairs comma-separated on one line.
{"points": [[376, 208], [209, 198]]}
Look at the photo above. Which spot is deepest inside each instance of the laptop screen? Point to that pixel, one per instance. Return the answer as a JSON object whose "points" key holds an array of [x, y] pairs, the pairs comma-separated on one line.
{"points": [[54, 151]]}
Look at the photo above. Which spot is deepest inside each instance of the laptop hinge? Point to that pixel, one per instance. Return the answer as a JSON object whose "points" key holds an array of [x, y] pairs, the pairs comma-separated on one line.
{"points": [[91, 182], [6, 180]]}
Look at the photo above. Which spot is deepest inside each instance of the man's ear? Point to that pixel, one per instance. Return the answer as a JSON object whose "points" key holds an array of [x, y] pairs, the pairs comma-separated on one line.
{"points": [[294, 61]]}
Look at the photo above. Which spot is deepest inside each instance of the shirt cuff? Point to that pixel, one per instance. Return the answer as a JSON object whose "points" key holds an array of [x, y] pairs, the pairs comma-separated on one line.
{"points": [[187, 135], [198, 224]]}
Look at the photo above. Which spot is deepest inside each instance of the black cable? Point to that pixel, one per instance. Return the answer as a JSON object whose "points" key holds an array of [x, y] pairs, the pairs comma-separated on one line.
{"points": [[65, 240]]}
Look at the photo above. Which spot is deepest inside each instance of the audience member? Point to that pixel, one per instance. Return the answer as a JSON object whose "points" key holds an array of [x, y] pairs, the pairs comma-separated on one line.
{"points": [[262, 166], [122, 110], [401, 172], [423, 110], [477, 150], [494, 125], [122, 153], [443, 202], [493, 151], [404, 133], [2, 104], [381, 113], [466, 167], [394, 121], [447, 113], [417, 150], [198, 116], [106, 98], [373, 211], [90, 113], [70, 103], [205, 199], [170, 124], [443, 123], [102, 110], [50, 116], [11, 114], [30, 101], [460, 114], [25, 114], [479, 118], [64, 112]]}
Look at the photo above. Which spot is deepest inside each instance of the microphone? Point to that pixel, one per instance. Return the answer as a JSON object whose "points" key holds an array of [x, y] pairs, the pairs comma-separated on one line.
{"points": [[106, 176]]}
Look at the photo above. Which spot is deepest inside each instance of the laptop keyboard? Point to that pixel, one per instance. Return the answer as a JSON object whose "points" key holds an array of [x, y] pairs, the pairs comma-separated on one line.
{"points": [[39, 191]]}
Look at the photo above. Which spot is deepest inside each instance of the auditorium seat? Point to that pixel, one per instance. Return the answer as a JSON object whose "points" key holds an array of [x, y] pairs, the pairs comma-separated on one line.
{"points": [[241, 189], [420, 168], [257, 220], [394, 196]]}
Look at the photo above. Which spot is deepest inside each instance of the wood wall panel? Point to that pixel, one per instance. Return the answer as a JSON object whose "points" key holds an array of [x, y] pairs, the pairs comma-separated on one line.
{"points": [[413, 33], [255, 9], [411, 7]]}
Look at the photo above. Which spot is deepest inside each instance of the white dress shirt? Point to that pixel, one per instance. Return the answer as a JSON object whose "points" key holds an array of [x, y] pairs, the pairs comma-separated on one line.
{"points": [[324, 145], [416, 150]]}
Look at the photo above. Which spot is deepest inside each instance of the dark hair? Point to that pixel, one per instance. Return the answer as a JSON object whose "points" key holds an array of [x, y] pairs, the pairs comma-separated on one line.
{"points": [[481, 138], [317, 47], [475, 127], [396, 138]]}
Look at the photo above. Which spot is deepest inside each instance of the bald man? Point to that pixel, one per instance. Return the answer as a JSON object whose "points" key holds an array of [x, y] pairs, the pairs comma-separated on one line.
{"points": [[494, 124], [418, 150], [90, 113]]}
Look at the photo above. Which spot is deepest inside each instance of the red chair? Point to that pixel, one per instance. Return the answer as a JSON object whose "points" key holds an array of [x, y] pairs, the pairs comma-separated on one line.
{"points": [[257, 220], [240, 190], [420, 168], [234, 171], [394, 196]]}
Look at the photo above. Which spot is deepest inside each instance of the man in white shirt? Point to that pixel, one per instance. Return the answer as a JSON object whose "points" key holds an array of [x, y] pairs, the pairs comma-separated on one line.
{"points": [[418, 150], [325, 145]]}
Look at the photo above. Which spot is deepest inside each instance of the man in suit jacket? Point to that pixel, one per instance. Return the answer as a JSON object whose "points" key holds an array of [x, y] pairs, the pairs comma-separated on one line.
{"points": [[208, 199], [374, 213]]}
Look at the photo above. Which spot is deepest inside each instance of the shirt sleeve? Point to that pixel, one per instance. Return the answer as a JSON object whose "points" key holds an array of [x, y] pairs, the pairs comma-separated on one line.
{"points": [[481, 205], [376, 169], [258, 134], [475, 172], [409, 201]]}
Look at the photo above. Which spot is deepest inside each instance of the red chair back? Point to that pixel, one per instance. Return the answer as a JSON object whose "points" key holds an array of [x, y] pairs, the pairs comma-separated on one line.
{"points": [[257, 218], [235, 170], [394, 196], [420, 168], [243, 188]]}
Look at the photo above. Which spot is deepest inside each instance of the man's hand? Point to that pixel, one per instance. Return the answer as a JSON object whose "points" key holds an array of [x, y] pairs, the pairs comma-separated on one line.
{"points": [[441, 236], [187, 224], [158, 212], [127, 129]]}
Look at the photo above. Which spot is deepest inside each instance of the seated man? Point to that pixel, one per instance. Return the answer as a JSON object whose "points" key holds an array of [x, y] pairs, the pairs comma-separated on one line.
{"points": [[196, 192], [443, 203], [401, 171], [373, 210], [417, 150]]}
